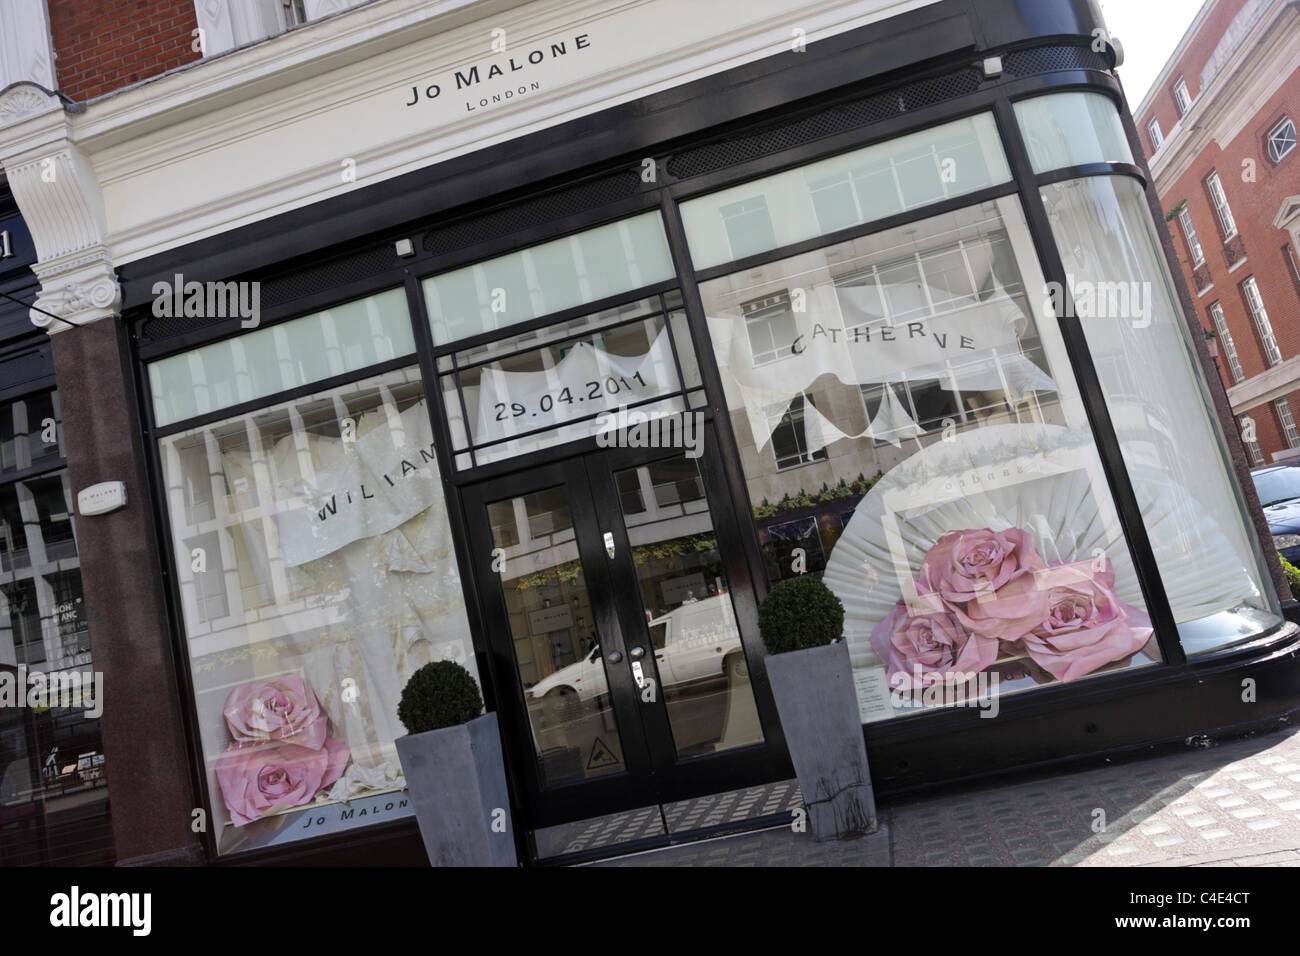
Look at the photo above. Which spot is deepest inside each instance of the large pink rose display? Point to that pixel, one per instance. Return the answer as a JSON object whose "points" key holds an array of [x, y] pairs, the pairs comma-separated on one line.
{"points": [[1086, 626], [284, 708], [281, 757], [937, 647], [985, 578], [257, 779], [984, 595]]}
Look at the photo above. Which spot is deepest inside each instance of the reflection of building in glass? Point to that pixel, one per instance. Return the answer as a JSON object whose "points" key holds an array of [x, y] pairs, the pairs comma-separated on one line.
{"points": [[53, 775]]}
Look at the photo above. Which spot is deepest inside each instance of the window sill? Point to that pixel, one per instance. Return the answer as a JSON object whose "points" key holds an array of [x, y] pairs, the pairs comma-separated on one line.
{"points": [[1205, 290], [1238, 264]]}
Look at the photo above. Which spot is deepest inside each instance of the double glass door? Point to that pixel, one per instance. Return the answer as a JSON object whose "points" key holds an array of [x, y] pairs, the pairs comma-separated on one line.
{"points": [[622, 630]]}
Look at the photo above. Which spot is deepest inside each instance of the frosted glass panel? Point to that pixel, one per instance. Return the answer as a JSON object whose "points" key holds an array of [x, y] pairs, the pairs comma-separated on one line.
{"points": [[263, 362], [551, 277], [1070, 129], [858, 187]]}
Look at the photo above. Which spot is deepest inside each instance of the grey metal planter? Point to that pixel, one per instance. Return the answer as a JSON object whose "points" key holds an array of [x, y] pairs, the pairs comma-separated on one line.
{"points": [[819, 713], [457, 781]]}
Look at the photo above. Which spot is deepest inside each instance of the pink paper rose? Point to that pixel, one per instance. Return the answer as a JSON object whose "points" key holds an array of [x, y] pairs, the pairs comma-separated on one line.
{"points": [[964, 566], [261, 778], [1085, 625], [284, 708], [986, 579], [935, 645]]}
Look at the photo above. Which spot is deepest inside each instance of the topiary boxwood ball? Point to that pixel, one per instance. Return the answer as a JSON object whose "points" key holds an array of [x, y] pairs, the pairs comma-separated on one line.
{"points": [[441, 694], [800, 612]]}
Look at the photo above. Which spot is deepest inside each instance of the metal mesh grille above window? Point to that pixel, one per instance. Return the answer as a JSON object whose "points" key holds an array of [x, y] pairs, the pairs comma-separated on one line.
{"points": [[534, 212], [1053, 59]]}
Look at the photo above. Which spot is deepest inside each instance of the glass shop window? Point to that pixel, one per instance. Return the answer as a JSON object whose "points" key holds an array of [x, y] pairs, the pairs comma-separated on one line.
{"points": [[311, 348], [1212, 573], [551, 277], [949, 489], [908, 172], [53, 777], [570, 381], [317, 568], [1072, 129]]}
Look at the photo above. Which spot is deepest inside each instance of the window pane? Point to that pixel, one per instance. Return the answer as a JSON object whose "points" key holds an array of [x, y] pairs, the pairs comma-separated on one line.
{"points": [[1281, 141], [309, 349], [849, 190], [550, 277], [320, 570], [566, 382], [1070, 129], [913, 417], [1193, 515]]}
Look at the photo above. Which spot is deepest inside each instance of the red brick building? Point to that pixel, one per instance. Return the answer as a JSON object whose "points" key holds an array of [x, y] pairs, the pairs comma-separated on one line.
{"points": [[1219, 128]]}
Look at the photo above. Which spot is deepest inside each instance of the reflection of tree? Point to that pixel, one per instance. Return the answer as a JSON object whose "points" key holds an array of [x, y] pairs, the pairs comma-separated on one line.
{"points": [[571, 571], [858, 487]]}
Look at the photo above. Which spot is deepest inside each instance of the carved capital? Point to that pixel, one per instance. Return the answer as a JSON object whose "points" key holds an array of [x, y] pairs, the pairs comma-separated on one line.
{"points": [[79, 289]]}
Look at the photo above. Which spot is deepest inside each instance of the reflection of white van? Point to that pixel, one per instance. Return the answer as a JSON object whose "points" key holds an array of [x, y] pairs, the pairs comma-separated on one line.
{"points": [[694, 644]]}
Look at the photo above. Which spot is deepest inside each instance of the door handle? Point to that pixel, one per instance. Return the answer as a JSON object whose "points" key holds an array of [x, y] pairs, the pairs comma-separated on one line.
{"points": [[614, 656], [636, 653], [609, 545]]}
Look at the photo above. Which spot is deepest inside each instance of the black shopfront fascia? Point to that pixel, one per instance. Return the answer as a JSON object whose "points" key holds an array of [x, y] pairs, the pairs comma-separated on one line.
{"points": [[720, 131]]}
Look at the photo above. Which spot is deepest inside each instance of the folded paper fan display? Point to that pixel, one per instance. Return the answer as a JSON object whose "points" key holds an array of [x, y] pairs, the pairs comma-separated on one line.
{"points": [[1045, 479]]}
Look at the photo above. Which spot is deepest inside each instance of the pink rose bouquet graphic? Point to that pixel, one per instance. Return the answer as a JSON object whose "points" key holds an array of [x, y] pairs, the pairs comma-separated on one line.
{"points": [[281, 756], [984, 595]]}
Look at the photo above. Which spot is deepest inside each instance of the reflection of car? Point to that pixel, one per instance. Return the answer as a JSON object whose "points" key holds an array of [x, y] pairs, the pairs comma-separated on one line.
{"points": [[696, 643], [1279, 494]]}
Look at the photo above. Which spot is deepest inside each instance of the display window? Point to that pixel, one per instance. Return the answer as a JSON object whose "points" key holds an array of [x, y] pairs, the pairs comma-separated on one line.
{"points": [[950, 492], [316, 573]]}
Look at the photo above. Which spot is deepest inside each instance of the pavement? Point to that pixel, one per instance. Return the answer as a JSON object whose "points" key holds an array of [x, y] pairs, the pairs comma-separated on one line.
{"points": [[1231, 804]]}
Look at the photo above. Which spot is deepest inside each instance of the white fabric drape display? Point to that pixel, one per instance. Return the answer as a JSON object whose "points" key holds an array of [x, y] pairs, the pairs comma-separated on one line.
{"points": [[974, 348], [586, 381], [353, 553], [1174, 457]]}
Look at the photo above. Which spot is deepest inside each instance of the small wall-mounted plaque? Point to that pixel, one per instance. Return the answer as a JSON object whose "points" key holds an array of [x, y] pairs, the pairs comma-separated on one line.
{"points": [[101, 498]]}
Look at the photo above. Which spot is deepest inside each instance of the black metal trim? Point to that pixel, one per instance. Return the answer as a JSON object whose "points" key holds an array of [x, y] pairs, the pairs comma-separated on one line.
{"points": [[150, 350], [1093, 398], [1084, 170], [550, 319], [920, 214]]}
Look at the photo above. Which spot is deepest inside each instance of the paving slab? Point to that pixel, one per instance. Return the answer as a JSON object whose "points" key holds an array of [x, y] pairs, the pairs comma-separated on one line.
{"points": [[1234, 804]]}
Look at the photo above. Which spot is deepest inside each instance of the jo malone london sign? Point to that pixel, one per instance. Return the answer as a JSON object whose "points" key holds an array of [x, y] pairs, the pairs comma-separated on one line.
{"points": [[506, 77]]}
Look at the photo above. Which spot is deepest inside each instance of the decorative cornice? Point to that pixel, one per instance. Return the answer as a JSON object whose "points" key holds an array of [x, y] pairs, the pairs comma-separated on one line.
{"points": [[1289, 210], [23, 100]]}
